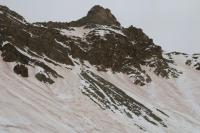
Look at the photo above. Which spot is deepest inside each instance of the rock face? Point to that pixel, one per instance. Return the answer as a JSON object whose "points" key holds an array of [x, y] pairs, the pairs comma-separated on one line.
{"points": [[98, 15], [97, 38]]}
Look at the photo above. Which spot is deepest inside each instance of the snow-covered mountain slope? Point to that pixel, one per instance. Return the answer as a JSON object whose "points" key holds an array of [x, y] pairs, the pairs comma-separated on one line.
{"points": [[93, 76], [28, 105]]}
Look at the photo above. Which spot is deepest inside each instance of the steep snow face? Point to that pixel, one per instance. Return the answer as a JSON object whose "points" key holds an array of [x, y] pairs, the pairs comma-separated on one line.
{"points": [[79, 32], [83, 31], [192, 60], [30, 106]]}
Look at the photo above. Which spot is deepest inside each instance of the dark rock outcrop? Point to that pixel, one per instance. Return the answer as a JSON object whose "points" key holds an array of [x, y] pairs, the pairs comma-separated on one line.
{"points": [[107, 45], [109, 96], [41, 77], [21, 70], [97, 15]]}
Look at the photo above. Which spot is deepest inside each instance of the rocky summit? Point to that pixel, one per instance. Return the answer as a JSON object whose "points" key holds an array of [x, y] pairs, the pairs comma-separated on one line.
{"points": [[93, 75], [97, 38], [98, 15]]}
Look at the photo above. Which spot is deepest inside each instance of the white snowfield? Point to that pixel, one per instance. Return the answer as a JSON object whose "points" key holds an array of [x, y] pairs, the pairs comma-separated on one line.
{"points": [[30, 106], [82, 32]]}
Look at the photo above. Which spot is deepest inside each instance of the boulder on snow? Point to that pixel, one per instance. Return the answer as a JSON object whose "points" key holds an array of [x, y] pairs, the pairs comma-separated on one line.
{"points": [[41, 77], [21, 70]]}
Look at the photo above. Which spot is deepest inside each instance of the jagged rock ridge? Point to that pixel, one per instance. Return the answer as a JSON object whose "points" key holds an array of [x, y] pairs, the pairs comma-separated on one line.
{"points": [[120, 49]]}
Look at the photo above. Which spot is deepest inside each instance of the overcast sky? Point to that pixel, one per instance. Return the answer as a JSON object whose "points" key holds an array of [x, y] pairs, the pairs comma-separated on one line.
{"points": [[173, 24]]}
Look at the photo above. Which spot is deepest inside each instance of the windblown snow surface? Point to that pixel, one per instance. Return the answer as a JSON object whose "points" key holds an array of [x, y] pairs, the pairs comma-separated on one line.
{"points": [[30, 106]]}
